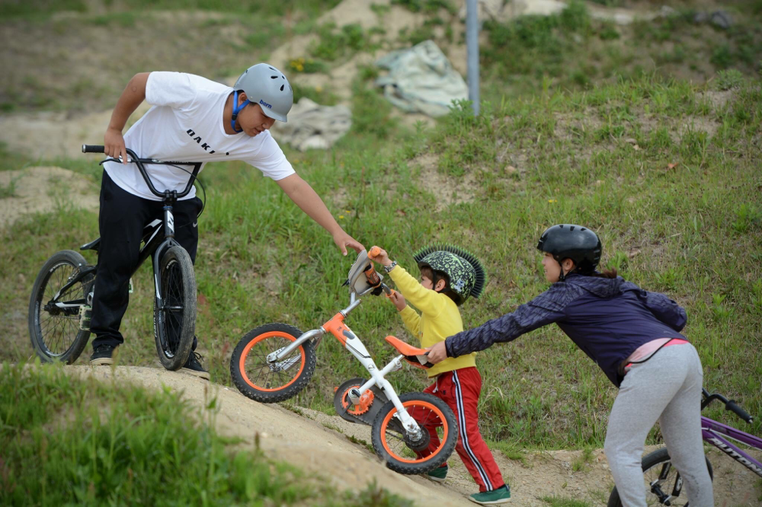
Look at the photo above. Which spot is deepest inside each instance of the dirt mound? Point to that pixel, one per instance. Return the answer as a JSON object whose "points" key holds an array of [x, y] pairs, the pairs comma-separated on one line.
{"points": [[44, 189], [284, 435], [333, 448]]}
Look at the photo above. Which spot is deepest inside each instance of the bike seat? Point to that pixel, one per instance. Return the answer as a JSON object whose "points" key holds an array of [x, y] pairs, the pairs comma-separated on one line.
{"points": [[413, 355], [356, 279], [93, 245]]}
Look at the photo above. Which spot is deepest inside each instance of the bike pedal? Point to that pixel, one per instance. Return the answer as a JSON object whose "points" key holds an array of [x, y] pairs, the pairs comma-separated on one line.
{"points": [[85, 315]]}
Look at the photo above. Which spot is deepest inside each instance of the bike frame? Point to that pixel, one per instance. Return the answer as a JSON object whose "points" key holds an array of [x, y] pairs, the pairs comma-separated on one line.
{"points": [[354, 345], [155, 245], [711, 431]]}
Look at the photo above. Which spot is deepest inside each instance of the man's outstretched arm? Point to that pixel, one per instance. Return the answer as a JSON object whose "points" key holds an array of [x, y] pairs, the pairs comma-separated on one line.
{"points": [[307, 199]]}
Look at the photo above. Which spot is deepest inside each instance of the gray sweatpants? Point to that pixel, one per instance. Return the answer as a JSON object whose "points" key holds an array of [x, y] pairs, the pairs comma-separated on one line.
{"points": [[666, 388]]}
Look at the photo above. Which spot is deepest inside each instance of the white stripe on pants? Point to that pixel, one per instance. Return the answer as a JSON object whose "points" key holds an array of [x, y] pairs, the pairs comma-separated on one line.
{"points": [[666, 388]]}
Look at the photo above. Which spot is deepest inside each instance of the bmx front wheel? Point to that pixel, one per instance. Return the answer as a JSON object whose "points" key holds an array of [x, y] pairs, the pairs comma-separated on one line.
{"points": [[272, 381], [54, 321], [415, 454], [662, 481], [175, 318]]}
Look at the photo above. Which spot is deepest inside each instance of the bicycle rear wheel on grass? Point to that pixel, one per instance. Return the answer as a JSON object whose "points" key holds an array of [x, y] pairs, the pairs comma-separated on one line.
{"points": [[267, 382], [54, 323], [662, 481], [175, 320], [396, 448]]}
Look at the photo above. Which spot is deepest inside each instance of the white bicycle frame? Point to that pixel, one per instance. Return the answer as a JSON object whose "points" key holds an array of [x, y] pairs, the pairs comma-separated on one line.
{"points": [[352, 342]]}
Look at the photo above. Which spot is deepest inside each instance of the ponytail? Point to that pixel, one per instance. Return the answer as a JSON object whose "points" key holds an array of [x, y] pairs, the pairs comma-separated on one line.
{"points": [[606, 273]]}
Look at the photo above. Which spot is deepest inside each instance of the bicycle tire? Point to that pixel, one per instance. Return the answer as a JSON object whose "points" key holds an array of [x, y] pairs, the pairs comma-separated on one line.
{"points": [[266, 382], [175, 323], [652, 462], [392, 445], [50, 326]]}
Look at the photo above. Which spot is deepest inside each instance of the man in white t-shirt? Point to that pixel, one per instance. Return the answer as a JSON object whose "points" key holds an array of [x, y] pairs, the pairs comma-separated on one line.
{"points": [[192, 119]]}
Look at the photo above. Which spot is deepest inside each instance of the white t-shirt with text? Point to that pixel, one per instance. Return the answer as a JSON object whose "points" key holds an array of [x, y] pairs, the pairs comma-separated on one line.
{"points": [[185, 125]]}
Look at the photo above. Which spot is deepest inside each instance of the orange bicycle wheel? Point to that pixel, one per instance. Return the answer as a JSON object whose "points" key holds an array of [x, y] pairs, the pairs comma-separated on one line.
{"points": [[267, 382], [403, 452]]}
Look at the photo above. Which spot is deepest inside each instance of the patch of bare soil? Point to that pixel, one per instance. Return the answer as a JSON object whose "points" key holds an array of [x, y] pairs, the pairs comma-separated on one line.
{"points": [[321, 444], [447, 189], [44, 189]]}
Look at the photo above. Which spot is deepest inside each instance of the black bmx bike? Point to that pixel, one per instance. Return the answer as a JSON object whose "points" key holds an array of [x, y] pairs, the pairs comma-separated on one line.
{"points": [[61, 303]]}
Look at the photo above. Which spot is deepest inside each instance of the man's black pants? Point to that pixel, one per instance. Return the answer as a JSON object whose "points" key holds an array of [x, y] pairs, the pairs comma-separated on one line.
{"points": [[121, 221]]}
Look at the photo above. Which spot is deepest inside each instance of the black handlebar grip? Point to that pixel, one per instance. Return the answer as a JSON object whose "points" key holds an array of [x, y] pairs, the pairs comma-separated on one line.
{"points": [[733, 407], [92, 148]]}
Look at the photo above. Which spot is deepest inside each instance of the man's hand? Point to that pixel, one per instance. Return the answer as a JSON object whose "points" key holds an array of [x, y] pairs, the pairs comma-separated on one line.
{"points": [[113, 144], [398, 300], [437, 353], [344, 240]]}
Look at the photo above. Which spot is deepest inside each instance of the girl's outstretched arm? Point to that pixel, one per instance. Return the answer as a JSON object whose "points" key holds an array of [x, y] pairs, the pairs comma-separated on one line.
{"points": [[542, 310]]}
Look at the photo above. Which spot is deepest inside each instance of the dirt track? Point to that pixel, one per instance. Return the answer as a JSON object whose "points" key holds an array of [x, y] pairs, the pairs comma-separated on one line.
{"points": [[320, 444]]}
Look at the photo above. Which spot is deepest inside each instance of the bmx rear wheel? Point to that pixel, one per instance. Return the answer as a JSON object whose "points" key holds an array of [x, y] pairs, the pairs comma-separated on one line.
{"points": [[406, 454], [175, 321], [54, 322], [266, 381]]}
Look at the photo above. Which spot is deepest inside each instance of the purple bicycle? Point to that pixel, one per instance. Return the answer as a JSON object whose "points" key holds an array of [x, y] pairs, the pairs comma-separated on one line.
{"points": [[663, 482]]}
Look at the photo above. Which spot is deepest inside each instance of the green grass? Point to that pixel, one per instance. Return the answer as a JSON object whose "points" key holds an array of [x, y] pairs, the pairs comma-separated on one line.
{"points": [[44, 8], [693, 230], [578, 126], [72, 441], [572, 51]]}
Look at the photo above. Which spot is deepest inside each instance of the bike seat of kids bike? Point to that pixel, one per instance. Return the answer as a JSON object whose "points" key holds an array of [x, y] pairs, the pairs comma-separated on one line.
{"points": [[413, 355], [356, 279]]}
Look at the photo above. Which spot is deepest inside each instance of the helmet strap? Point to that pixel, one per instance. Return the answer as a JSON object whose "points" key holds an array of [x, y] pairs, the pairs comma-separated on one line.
{"points": [[237, 109], [561, 275]]}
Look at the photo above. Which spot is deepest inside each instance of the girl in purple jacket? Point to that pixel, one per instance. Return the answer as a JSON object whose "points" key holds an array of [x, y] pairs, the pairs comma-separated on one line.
{"points": [[634, 337]]}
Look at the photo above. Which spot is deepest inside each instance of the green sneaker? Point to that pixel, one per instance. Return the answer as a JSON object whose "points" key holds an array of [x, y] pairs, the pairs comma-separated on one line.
{"points": [[438, 474], [494, 497]]}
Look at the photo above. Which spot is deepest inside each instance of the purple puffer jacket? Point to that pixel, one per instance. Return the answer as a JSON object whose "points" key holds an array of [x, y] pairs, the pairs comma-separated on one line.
{"points": [[608, 318]]}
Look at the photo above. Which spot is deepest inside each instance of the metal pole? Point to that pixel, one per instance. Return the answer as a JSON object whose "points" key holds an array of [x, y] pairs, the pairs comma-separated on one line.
{"points": [[472, 52]]}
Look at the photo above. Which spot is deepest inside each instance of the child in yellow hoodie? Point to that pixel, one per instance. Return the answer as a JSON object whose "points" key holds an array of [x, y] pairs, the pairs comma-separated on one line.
{"points": [[449, 275]]}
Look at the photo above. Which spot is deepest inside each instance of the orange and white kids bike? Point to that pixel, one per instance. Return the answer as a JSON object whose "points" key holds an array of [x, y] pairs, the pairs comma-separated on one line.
{"points": [[412, 433]]}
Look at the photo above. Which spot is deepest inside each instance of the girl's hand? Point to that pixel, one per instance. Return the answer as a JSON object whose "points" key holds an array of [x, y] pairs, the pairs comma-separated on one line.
{"points": [[398, 300], [379, 255], [437, 353]]}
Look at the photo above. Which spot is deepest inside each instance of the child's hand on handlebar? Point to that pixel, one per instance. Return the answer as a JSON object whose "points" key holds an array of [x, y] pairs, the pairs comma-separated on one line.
{"points": [[398, 300], [378, 254]]}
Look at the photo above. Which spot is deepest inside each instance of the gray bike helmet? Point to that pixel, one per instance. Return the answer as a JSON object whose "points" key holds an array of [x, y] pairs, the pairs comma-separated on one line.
{"points": [[267, 86], [567, 241], [467, 275]]}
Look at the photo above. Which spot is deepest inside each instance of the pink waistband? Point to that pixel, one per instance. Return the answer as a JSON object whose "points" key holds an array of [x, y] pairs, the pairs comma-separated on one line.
{"points": [[649, 348]]}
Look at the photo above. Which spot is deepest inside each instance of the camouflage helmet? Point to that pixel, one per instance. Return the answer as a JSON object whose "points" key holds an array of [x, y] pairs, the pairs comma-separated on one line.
{"points": [[467, 275]]}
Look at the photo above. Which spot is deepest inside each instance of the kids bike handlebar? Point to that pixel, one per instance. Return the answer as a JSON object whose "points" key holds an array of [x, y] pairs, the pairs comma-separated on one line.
{"points": [[372, 276], [133, 157]]}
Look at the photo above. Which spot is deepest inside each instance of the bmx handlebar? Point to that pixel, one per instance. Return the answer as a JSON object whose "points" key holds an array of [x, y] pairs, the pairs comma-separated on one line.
{"points": [[139, 162]]}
